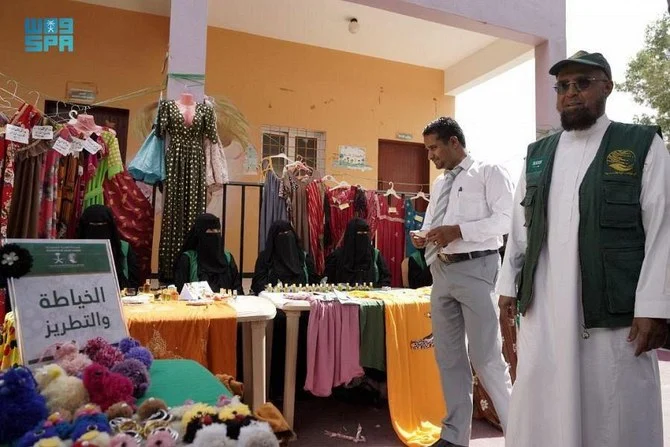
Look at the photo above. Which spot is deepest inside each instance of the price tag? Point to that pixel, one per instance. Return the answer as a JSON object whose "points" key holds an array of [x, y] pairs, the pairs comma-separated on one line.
{"points": [[77, 145], [91, 146], [393, 210], [418, 218], [43, 132], [62, 146], [344, 206], [17, 134]]}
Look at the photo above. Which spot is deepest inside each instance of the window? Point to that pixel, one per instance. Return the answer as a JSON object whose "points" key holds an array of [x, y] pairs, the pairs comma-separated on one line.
{"points": [[306, 147], [308, 144], [275, 144]]}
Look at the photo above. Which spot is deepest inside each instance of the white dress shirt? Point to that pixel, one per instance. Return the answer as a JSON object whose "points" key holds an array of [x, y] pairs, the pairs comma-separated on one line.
{"points": [[480, 202]]}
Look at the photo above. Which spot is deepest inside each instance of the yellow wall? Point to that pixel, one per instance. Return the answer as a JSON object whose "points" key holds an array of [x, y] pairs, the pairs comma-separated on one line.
{"points": [[356, 100], [120, 51]]}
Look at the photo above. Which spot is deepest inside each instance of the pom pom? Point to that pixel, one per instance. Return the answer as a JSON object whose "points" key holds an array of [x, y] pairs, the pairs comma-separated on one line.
{"points": [[215, 435], [21, 405], [257, 434], [142, 354], [107, 388], [119, 410], [123, 440], [94, 345], [88, 428], [150, 407], [127, 344], [161, 438], [88, 409], [107, 356], [136, 372], [67, 355]]}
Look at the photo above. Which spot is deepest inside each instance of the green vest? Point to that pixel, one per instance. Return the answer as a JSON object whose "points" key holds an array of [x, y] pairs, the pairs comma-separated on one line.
{"points": [[124, 251], [611, 235], [193, 263]]}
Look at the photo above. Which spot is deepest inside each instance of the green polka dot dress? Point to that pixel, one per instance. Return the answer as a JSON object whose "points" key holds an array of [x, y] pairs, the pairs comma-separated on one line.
{"points": [[185, 188]]}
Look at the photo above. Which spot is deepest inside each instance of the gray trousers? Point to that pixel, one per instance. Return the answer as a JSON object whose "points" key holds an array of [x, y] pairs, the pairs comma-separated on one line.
{"points": [[463, 303]]}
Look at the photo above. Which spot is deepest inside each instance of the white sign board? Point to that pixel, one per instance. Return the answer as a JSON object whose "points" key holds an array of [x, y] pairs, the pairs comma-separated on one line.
{"points": [[71, 293]]}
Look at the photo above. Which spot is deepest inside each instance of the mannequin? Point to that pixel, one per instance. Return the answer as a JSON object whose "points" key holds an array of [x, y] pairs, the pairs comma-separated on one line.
{"points": [[186, 106]]}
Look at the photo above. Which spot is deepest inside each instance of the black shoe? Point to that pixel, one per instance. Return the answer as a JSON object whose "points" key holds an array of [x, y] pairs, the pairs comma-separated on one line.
{"points": [[444, 443]]}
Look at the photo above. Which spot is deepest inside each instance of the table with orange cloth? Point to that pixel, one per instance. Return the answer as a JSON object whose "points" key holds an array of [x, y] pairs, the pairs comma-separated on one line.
{"points": [[206, 334], [176, 330]]}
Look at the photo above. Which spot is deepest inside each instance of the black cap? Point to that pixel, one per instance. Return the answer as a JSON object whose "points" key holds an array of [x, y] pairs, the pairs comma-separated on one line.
{"points": [[596, 60]]}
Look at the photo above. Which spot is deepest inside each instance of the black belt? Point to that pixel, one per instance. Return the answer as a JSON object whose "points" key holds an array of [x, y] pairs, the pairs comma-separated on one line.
{"points": [[459, 257]]}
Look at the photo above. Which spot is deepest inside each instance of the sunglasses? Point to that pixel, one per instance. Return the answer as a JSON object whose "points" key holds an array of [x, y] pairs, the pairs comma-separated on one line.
{"points": [[580, 84]]}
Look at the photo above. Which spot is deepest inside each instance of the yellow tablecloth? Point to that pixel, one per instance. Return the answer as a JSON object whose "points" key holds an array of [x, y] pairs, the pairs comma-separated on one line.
{"points": [[175, 330]]}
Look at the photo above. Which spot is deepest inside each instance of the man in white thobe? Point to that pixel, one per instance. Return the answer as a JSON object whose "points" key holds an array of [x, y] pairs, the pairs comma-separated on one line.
{"points": [[587, 373]]}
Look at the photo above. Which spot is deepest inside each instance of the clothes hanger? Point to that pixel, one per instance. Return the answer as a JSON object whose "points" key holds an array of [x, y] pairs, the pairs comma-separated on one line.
{"points": [[56, 117], [7, 102], [329, 177], [38, 96], [16, 87], [420, 195], [391, 192], [342, 184]]}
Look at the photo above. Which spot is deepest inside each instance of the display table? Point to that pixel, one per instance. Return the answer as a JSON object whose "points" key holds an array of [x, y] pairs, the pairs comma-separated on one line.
{"points": [[207, 334], [176, 381], [292, 309]]}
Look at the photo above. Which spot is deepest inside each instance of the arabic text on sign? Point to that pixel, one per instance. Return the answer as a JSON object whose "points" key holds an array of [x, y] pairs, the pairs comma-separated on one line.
{"points": [[79, 300], [62, 146], [91, 146], [77, 145], [43, 132], [91, 320], [17, 134]]}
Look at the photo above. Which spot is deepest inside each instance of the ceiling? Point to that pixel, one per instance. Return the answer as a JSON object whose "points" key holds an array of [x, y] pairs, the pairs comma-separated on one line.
{"points": [[324, 23]]}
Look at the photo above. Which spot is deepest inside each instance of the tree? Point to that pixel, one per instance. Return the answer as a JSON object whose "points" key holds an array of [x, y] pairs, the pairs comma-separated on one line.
{"points": [[648, 75]]}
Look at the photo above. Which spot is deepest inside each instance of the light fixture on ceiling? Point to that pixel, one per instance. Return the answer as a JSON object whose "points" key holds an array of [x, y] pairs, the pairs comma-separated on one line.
{"points": [[354, 25]]}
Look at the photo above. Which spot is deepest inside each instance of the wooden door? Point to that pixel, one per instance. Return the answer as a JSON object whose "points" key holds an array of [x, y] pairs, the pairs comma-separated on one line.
{"points": [[406, 165], [111, 117]]}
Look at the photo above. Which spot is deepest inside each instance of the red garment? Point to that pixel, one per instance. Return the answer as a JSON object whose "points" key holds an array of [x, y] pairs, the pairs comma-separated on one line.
{"points": [[133, 215], [341, 202], [315, 216], [47, 220], [27, 116], [391, 235], [372, 215], [132, 211]]}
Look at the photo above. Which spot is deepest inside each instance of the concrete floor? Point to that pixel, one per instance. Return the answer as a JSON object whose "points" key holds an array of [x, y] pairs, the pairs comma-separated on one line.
{"points": [[314, 415]]}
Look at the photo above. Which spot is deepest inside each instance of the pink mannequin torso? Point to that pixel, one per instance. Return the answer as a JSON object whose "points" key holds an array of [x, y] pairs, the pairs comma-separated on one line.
{"points": [[186, 106], [85, 124]]}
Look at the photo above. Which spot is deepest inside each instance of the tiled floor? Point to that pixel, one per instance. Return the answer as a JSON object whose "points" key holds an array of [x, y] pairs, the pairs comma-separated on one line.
{"points": [[314, 415]]}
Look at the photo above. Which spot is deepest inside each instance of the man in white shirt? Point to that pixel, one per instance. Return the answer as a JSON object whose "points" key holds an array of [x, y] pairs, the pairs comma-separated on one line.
{"points": [[587, 264], [462, 233]]}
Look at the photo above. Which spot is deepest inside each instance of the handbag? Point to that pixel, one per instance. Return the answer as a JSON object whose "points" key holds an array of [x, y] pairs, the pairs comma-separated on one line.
{"points": [[148, 166]]}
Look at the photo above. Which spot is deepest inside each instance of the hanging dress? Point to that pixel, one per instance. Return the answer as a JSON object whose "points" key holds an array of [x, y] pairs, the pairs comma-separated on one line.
{"points": [[185, 184], [27, 116], [413, 221], [273, 207], [391, 236]]}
